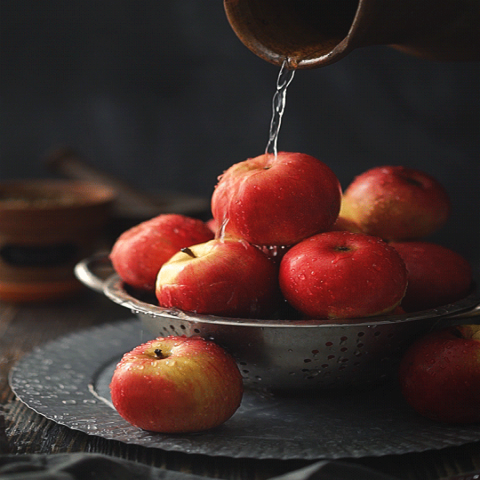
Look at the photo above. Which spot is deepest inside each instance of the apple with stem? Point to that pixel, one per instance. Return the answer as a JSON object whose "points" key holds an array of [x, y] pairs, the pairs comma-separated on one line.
{"points": [[395, 203], [225, 276], [139, 252], [343, 275], [177, 384], [439, 374], [437, 275], [277, 200]]}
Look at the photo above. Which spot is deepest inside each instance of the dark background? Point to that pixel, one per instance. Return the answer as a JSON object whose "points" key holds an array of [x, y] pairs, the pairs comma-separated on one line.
{"points": [[164, 94]]}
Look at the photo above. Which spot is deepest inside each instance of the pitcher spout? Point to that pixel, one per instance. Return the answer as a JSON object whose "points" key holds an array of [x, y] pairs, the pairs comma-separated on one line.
{"points": [[314, 33]]}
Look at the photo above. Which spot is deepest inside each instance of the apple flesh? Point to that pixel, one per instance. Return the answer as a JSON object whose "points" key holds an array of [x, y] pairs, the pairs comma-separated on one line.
{"points": [[139, 252], [395, 203], [226, 277], [436, 275], [440, 375], [280, 200], [176, 385], [343, 275]]}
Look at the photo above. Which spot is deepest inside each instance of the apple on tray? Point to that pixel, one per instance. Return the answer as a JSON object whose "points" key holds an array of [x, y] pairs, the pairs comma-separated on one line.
{"points": [[139, 252], [395, 203], [277, 200], [225, 276], [437, 275], [439, 375], [177, 384], [343, 275]]}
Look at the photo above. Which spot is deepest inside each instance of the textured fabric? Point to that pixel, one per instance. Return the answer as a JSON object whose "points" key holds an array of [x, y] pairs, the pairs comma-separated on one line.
{"points": [[85, 466], [81, 466], [327, 470]]}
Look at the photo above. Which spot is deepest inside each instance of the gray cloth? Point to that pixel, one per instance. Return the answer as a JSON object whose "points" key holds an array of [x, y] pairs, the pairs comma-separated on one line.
{"points": [[87, 466], [82, 466]]}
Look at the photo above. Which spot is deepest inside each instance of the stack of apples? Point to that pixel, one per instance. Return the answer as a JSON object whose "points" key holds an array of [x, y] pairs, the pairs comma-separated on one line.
{"points": [[282, 235], [285, 234]]}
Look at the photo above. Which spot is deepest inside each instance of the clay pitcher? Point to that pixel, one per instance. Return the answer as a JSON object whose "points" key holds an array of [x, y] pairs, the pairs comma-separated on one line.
{"points": [[314, 33]]}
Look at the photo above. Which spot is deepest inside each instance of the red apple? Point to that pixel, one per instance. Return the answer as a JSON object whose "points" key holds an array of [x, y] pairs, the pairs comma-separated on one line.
{"points": [[176, 385], [345, 225], [280, 200], [396, 203], [138, 253], [440, 374], [436, 275], [343, 275], [212, 224], [227, 277]]}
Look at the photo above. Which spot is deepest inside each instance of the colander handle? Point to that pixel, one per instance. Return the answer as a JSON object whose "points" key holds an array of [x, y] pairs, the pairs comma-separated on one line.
{"points": [[87, 271]]}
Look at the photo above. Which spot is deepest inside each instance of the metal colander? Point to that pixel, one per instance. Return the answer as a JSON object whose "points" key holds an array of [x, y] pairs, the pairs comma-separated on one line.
{"points": [[289, 354]]}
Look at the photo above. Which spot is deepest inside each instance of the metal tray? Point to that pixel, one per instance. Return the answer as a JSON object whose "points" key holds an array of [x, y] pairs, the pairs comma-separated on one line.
{"points": [[67, 382]]}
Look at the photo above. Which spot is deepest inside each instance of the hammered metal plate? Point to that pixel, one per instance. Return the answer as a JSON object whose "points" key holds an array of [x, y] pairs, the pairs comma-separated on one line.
{"points": [[67, 382]]}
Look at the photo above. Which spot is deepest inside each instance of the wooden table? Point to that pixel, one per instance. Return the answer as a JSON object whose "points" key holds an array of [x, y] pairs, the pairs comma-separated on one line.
{"points": [[24, 327]]}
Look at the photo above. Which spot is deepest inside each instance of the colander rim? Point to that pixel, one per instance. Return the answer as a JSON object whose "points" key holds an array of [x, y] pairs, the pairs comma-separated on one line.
{"points": [[114, 289]]}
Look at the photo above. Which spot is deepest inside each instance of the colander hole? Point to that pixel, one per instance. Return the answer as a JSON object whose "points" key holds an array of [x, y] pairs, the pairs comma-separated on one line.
{"points": [[330, 357], [343, 349], [307, 360], [344, 360], [315, 352], [242, 363], [361, 334], [172, 327], [342, 367], [377, 333], [196, 330], [305, 370], [357, 353], [325, 365], [343, 339], [328, 344], [183, 327], [360, 344], [246, 371]]}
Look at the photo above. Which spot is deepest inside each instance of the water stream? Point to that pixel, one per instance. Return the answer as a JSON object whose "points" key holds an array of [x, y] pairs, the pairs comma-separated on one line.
{"points": [[284, 79]]}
